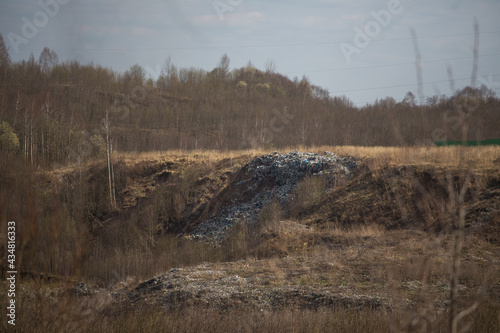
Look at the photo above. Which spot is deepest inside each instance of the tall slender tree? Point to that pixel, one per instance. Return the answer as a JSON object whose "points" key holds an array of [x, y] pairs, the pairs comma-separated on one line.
{"points": [[48, 59], [4, 60], [109, 155]]}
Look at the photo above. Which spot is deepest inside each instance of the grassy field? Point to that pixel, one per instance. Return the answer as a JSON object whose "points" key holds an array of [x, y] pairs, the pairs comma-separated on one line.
{"points": [[375, 254], [449, 156]]}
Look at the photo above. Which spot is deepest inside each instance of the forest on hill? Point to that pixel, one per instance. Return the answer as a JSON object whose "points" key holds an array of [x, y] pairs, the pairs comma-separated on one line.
{"points": [[64, 112]]}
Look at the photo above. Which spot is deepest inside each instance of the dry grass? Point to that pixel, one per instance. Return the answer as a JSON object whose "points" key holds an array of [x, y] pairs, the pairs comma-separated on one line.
{"points": [[482, 156], [190, 155], [452, 156], [405, 268], [362, 258], [152, 319], [365, 230]]}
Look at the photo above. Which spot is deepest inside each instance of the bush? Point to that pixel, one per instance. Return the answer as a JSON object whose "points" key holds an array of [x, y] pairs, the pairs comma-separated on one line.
{"points": [[8, 138]]}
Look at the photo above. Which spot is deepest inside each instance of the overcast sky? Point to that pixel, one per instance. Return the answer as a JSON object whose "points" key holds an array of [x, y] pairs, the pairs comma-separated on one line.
{"points": [[362, 49]]}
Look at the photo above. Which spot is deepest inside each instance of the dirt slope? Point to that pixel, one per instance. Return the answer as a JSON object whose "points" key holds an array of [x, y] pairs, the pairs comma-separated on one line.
{"points": [[368, 241]]}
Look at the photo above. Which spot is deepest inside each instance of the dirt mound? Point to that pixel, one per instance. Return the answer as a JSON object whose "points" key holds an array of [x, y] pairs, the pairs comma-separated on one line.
{"points": [[410, 197], [210, 286], [267, 178]]}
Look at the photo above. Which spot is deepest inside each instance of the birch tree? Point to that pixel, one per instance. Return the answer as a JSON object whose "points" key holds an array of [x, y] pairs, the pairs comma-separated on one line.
{"points": [[109, 155]]}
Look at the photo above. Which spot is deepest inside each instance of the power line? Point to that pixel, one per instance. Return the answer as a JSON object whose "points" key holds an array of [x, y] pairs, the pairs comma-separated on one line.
{"points": [[402, 85], [388, 65], [373, 101]]}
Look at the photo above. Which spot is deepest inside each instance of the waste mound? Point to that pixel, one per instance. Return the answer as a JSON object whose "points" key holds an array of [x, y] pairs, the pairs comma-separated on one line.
{"points": [[267, 178]]}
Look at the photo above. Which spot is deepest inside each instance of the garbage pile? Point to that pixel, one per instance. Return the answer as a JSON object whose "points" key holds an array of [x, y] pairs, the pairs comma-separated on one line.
{"points": [[267, 178]]}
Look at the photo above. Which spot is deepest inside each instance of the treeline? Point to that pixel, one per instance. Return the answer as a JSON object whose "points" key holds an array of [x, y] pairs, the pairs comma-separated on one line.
{"points": [[53, 112]]}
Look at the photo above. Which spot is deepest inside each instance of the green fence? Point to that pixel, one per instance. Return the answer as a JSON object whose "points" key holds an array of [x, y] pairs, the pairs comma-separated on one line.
{"points": [[469, 143]]}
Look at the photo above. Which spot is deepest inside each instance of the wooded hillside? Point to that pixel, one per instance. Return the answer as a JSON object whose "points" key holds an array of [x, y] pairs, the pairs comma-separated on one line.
{"points": [[53, 112]]}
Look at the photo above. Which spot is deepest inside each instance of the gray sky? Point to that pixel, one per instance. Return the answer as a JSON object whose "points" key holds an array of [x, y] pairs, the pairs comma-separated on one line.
{"points": [[362, 49]]}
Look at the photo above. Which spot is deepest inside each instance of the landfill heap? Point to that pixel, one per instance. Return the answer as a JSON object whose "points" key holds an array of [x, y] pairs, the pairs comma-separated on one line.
{"points": [[267, 178]]}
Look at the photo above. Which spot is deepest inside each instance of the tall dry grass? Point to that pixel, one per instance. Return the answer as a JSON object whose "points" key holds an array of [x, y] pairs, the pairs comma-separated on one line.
{"points": [[452, 156], [481, 156], [133, 250]]}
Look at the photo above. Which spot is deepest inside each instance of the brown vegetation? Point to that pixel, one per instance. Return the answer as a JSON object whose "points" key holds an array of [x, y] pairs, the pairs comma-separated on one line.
{"points": [[384, 234], [64, 113]]}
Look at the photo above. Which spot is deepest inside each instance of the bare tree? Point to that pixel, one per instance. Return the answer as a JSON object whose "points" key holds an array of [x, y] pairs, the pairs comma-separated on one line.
{"points": [[476, 51], [5, 61], [109, 155], [418, 65], [270, 66], [47, 60], [223, 64], [457, 210]]}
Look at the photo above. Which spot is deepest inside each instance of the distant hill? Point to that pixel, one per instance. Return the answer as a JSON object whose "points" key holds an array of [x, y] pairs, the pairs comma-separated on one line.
{"points": [[56, 110]]}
